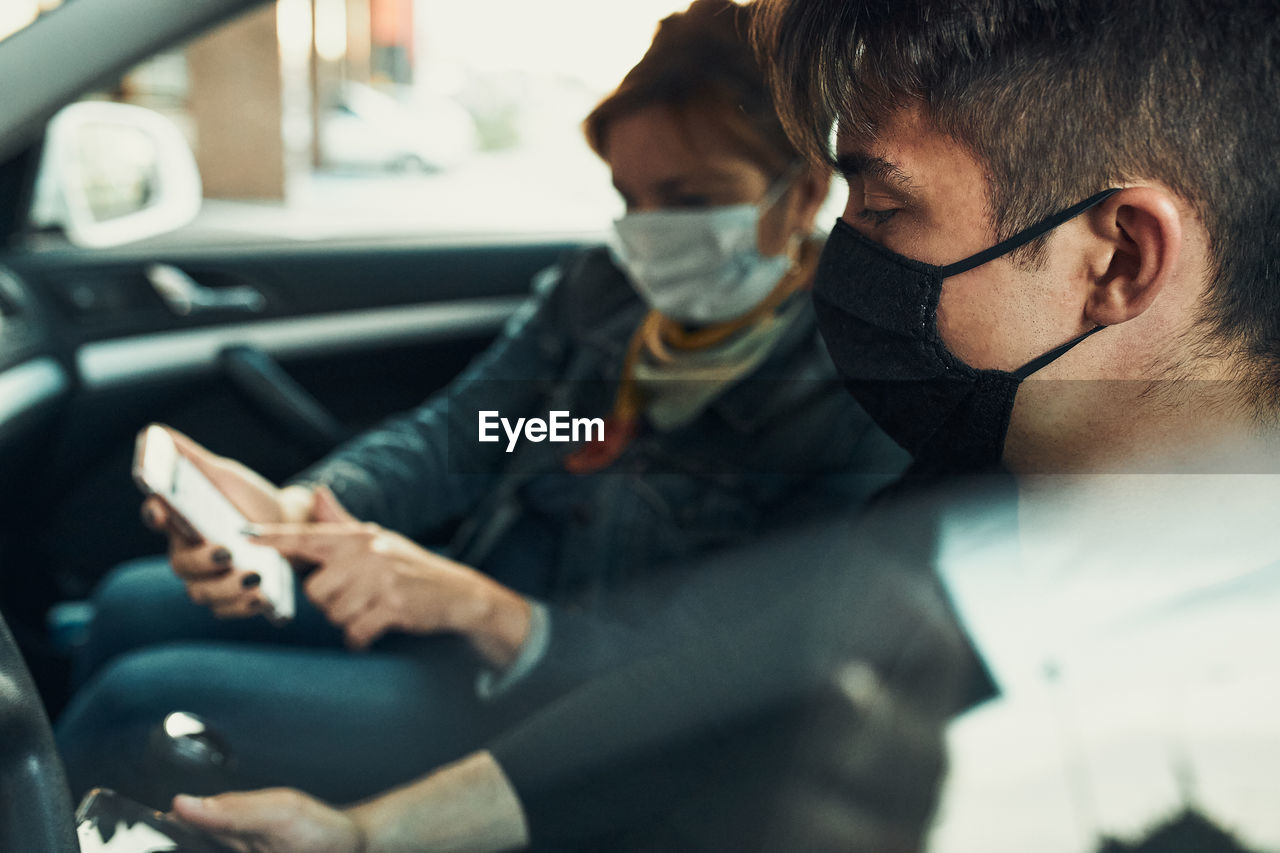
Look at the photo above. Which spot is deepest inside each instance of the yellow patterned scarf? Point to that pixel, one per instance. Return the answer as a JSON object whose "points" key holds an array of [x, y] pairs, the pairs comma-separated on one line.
{"points": [[671, 373]]}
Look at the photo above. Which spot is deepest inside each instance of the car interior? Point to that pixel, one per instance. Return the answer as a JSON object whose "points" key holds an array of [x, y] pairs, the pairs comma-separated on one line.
{"points": [[160, 273], [269, 353]]}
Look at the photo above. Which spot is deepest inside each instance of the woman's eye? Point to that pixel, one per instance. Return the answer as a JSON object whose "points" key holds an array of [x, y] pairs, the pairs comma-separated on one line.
{"points": [[876, 217], [690, 201]]}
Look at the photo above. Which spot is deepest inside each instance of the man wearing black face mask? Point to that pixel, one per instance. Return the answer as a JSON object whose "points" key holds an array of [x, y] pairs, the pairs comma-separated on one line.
{"points": [[1135, 192], [879, 312], [1058, 259]]}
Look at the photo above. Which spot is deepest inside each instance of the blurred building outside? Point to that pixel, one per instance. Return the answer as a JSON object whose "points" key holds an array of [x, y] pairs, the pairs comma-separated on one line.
{"points": [[318, 119]]}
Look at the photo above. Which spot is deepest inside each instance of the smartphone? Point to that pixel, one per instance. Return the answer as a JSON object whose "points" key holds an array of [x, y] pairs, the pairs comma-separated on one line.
{"points": [[109, 823], [198, 506]]}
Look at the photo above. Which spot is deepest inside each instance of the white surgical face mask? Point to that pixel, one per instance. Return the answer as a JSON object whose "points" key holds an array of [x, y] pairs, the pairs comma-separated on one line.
{"points": [[699, 266]]}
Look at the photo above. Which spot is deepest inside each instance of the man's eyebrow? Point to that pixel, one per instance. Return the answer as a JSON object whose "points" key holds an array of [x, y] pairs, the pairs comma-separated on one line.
{"points": [[864, 165]]}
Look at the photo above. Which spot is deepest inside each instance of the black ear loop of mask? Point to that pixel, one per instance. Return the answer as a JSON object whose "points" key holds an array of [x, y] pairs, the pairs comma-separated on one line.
{"points": [[1019, 240], [877, 311]]}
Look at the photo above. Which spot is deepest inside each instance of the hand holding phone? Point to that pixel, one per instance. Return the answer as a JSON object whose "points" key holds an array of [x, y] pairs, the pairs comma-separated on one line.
{"points": [[197, 505]]}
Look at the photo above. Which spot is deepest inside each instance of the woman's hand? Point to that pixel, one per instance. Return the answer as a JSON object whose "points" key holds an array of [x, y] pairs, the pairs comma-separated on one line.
{"points": [[371, 581], [205, 567], [277, 820]]}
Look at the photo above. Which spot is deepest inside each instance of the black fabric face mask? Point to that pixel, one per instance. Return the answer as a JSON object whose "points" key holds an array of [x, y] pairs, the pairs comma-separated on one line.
{"points": [[878, 313]]}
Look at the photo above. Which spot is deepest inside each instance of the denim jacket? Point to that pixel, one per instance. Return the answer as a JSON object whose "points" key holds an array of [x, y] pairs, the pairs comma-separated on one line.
{"points": [[784, 444]]}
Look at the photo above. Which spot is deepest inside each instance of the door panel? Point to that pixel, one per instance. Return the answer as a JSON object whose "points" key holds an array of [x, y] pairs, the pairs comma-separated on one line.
{"points": [[366, 330]]}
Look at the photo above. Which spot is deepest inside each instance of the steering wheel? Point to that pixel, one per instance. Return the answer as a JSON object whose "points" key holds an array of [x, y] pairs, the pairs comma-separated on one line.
{"points": [[35, 804]]}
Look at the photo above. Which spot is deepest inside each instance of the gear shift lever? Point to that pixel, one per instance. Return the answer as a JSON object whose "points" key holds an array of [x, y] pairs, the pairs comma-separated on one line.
{"points": [[185, 755]]}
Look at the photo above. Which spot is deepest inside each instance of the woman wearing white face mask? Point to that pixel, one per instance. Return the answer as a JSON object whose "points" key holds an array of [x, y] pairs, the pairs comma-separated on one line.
{"points": [[691, 336], [717, 238], [703, 265]]}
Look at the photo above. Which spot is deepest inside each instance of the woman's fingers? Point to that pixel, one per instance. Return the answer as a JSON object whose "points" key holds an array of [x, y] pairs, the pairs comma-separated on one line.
{"points": [[210, 464], [324, 585], [349, 603], [157, 516], [252, 494], [213, 582], [200, 562], [250, 605], [325, 508], [191, 449], [229, 589], [315, 542], [365, 629], [341, 586]]}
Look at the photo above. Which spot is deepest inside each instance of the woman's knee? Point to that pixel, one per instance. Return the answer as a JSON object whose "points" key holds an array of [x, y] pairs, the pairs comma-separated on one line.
{"points": [[137, 604], [105, 732], [133, 686], [137, 584]]}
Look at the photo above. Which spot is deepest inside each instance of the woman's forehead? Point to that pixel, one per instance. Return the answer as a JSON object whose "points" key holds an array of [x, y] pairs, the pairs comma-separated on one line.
{"points": [[662, 143]]}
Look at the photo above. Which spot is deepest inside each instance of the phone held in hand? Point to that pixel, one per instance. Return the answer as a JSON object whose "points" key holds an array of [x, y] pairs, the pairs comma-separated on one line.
{"points": [[196, 504], [109, 823]]}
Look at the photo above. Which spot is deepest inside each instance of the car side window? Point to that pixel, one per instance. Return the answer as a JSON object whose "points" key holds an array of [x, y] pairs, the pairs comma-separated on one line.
{"points": [[332, 119]]}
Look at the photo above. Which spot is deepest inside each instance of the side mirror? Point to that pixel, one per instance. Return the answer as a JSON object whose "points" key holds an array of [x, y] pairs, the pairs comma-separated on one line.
{"points": [[115, 173]]}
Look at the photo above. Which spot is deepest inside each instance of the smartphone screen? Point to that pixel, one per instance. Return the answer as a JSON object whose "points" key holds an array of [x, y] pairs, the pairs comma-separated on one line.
{"points": [[161, 470]]}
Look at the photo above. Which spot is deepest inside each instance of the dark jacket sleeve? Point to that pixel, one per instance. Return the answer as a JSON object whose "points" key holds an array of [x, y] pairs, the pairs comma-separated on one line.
{"points": [[716, 704], [422, 469]]}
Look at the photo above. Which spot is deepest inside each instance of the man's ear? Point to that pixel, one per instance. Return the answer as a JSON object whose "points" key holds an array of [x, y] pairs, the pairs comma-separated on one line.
{"points": [[1142, 231]]}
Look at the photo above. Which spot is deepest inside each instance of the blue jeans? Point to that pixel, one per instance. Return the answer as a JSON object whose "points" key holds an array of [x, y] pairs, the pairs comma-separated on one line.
{"points": [[295, 707]]}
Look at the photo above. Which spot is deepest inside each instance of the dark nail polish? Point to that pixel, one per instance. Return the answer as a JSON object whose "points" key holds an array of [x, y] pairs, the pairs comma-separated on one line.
{"points": [[250, 581], [221, 556]]}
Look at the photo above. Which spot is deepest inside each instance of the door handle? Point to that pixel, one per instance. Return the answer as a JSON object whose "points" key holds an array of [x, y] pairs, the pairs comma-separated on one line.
{"points": [[185, 296], [282, 399]]}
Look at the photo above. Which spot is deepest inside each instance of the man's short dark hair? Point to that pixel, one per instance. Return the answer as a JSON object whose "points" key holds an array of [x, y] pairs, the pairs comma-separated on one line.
{"points": [[1061, 98]]}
